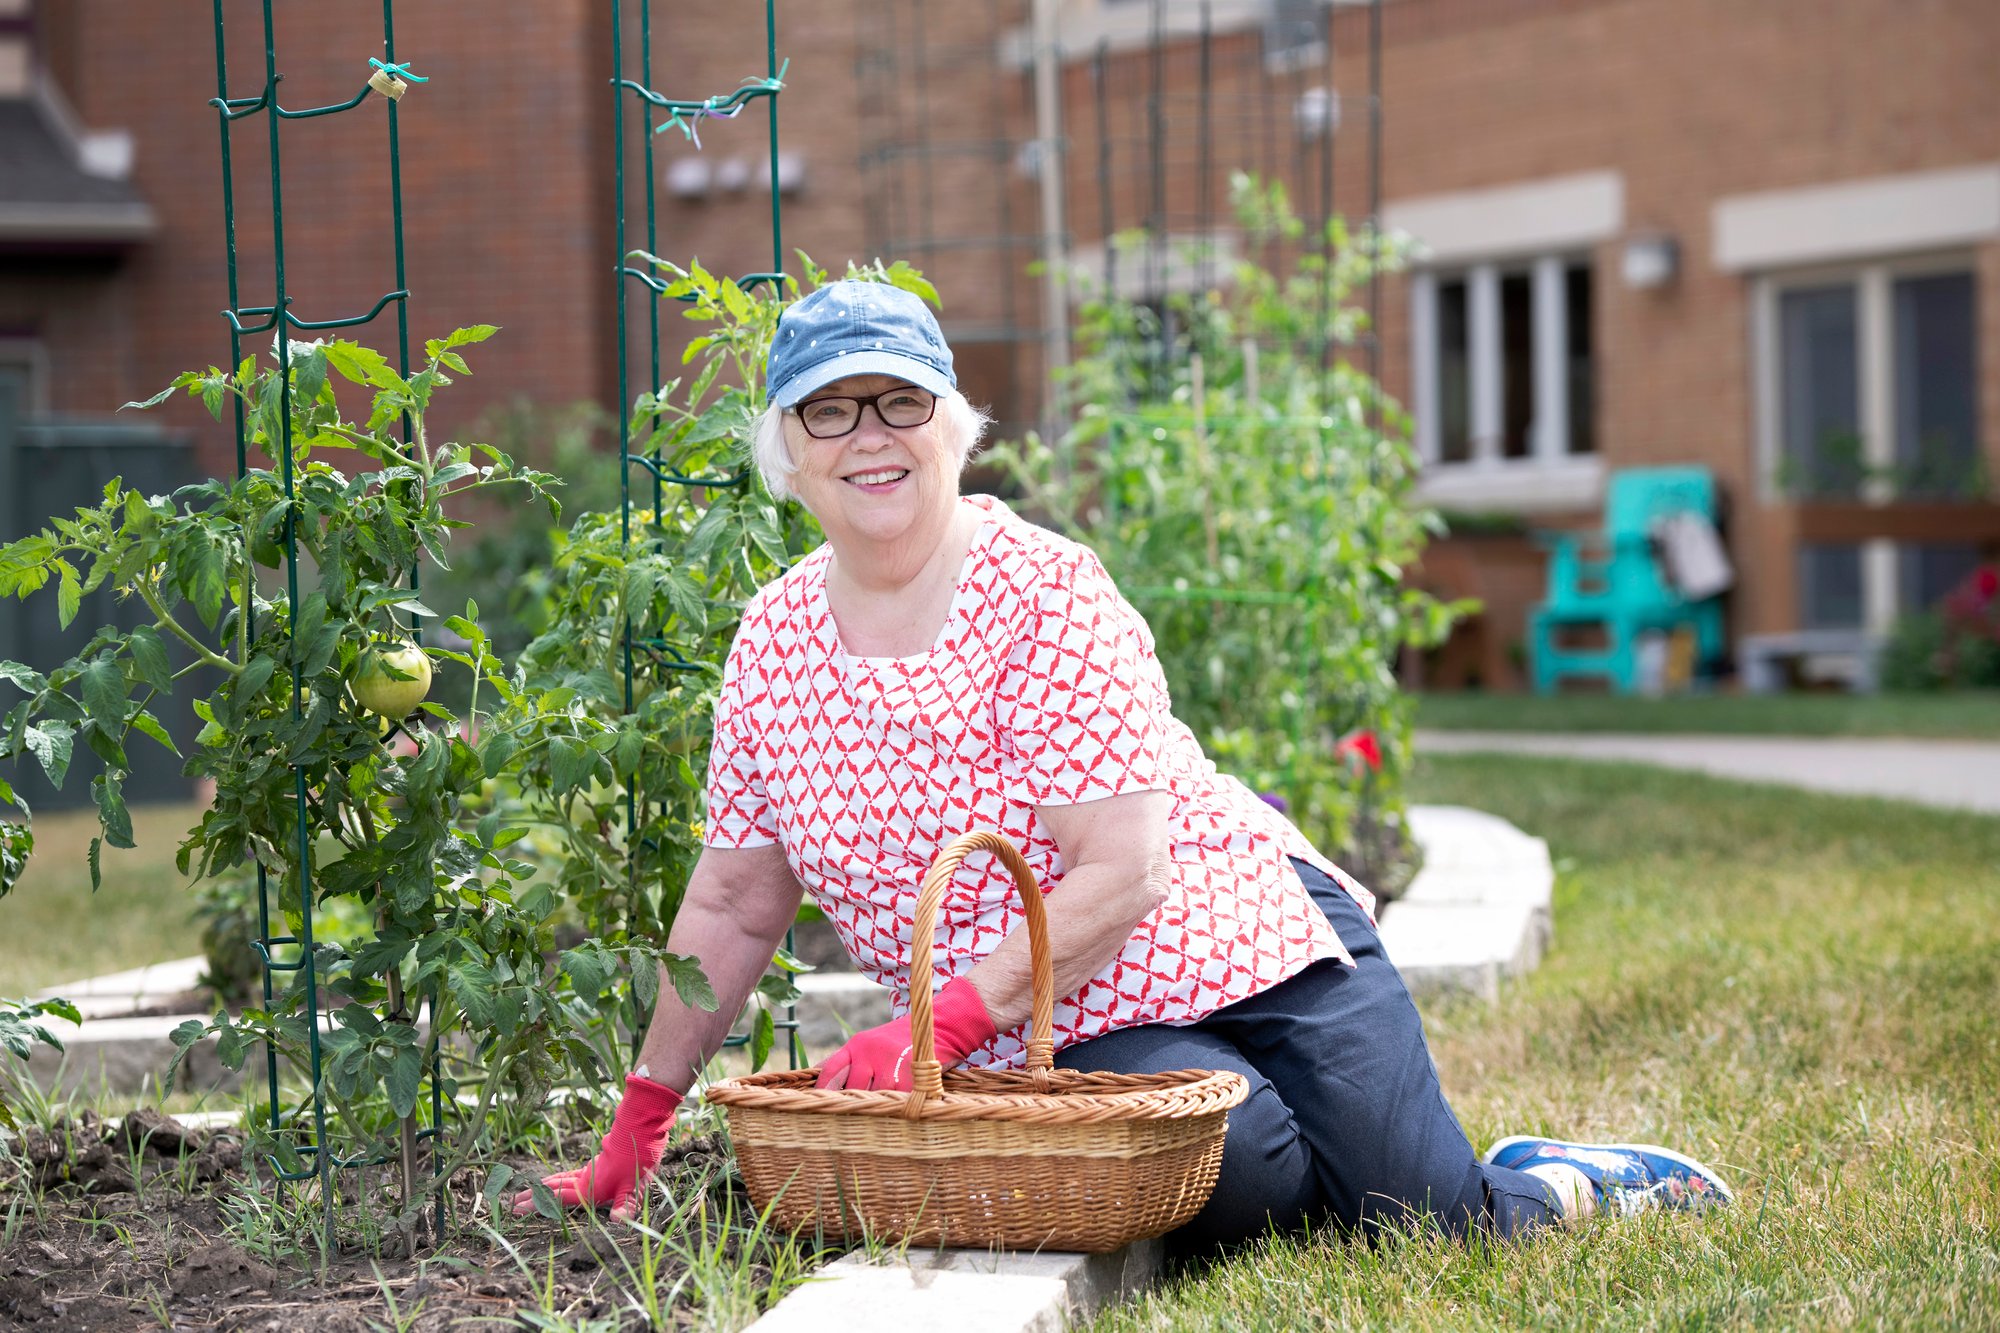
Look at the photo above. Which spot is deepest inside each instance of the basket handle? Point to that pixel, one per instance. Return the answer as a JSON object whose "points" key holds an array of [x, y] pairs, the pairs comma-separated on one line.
{"points": [[926, 1074]]}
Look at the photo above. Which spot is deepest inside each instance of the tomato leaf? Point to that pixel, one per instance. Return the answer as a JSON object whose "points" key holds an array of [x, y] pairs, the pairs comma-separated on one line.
{"points": [[107, 789], [149, 658], [689, 981]]}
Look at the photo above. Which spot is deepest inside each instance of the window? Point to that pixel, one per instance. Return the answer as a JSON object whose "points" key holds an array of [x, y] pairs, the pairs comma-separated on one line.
{"points": [[1831, 586], [1936, 383], [1820, 383], [1867, 390], [1926, 574], [1502, 364], [1453, 409], [1870, 383]]}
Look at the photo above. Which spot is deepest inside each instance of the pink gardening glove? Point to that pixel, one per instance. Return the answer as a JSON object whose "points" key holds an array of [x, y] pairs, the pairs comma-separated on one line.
{"points": [[880, 1057], [632, 1147]]}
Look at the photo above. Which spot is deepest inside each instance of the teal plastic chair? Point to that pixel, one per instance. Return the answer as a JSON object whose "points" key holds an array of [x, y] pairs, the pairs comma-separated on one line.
{"points": [[1613, 580]]}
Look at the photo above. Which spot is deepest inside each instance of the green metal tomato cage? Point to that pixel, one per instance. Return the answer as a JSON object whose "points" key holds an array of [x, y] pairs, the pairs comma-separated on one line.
{"points": [[277, 318], [638, 101]]}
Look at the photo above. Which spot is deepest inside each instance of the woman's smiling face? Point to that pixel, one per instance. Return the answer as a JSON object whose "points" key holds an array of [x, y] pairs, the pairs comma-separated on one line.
{"points": [[877, 483]]}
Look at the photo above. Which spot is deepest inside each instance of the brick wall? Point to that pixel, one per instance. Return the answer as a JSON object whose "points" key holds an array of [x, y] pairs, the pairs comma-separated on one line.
{"points": [[906, 123], [1691, 101], [504, 192]]}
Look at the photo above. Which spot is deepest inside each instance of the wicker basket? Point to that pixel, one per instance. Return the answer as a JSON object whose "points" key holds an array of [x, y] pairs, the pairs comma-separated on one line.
{"points": [[1035, 1159]]}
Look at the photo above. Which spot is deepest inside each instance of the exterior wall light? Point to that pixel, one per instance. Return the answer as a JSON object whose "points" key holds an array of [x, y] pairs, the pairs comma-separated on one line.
{"points": [[687, 177], [791, 173], [1316, 113], [1650, 261], [732, 174]]}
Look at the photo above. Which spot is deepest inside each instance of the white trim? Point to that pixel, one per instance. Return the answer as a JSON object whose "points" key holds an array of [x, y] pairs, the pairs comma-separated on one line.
{"points": [[1181, 265], [1083, 26], [1516, 486], [1489, 407], [1766, 422], [17, 65], [1551, 369], [1880, 590], [1555, 213], [1875, 362], [1424, 363], [1857, 219], [98, 222]]}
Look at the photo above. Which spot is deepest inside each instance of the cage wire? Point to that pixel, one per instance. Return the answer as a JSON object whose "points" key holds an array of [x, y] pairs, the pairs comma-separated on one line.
{"points": [[390, 79], [1167, 119], [941, 121], [638, 106], [634, 97], [1157, 121]]}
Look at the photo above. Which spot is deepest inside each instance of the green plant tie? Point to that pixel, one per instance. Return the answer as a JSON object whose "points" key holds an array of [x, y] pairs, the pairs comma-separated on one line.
{"points": [[398, 71]]}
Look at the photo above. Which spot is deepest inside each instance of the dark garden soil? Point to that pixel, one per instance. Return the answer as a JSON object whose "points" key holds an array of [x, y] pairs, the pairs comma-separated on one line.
{"points": [[88, 1247]]}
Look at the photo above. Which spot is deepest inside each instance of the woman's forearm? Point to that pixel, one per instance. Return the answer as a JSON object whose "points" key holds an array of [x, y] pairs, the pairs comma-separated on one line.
{"points": [[1092, 913], [731, 928]]}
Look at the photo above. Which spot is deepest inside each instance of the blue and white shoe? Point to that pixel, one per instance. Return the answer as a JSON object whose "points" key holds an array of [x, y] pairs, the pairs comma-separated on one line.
{"points": [[1630, 1177]]}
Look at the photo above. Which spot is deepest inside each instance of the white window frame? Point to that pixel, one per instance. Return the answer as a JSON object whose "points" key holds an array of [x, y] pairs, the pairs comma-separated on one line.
{"points": [[1876, 358], [1550, 477], [1085, 26]]}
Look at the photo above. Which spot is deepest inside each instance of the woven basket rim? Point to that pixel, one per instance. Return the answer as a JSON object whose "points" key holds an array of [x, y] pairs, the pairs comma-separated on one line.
{"points": [[1171, 1095]]}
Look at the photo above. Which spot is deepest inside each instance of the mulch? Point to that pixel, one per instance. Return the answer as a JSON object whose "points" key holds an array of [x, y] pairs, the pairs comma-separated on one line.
{"points": [[89, 1246]]}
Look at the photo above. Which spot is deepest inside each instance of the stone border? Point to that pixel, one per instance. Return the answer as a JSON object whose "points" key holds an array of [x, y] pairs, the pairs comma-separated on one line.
{"points": [[966, 1291]]}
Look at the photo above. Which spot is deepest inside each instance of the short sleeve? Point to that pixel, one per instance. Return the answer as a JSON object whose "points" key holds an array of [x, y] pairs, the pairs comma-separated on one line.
{"points": [[1081, 707], [739, 811]]}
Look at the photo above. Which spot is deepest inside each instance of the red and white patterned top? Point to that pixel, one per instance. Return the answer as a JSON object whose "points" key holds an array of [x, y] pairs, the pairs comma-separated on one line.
{"points": [[1042, 689]]}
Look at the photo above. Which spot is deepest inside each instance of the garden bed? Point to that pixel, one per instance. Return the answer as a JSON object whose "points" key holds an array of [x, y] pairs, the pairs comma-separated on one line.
{"points": [[143, 1223]]}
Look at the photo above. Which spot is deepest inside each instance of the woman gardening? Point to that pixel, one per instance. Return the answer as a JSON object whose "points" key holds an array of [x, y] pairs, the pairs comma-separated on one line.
{"points": [[940, 665]]}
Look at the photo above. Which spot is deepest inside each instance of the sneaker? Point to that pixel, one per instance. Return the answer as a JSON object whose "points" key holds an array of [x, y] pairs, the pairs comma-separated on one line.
{"points": [[1630, 1177]]}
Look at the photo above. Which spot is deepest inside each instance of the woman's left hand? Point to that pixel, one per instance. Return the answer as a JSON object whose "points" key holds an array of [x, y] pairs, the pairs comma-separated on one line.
{"points": [[880, 1057]]}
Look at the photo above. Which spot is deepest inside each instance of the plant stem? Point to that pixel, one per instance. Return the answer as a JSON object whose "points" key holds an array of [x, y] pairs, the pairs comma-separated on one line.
{"points": [[245, 608], [164, 620]]}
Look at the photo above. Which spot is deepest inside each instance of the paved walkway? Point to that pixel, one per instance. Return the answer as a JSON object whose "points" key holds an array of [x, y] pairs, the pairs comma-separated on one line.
{"points": [[1962, 775]]}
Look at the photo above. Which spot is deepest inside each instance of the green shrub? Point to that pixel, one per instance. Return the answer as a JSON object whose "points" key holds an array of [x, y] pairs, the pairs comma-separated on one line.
{"points": [[1955, 645]]}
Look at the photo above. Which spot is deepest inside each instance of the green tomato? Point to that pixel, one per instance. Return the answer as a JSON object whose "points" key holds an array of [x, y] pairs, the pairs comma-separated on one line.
{"points": [[379, 692]]}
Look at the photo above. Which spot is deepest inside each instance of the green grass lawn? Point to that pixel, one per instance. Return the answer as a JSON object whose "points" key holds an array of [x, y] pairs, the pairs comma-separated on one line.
{"points": [[1802, 989], [56, 930], [1973, 715]]}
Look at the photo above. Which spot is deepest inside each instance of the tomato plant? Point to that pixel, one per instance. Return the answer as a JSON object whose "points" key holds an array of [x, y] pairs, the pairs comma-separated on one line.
{"points": [[1224, 465], [517, 862], [305, 783]]}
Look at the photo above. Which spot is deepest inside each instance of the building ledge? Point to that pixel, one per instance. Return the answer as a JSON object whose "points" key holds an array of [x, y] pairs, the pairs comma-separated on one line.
{"points": [[63, 191], [1515, 486]]}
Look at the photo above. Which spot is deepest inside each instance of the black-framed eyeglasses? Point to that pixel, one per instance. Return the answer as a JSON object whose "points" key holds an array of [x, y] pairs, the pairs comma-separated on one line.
{"points": [[836, 415]]}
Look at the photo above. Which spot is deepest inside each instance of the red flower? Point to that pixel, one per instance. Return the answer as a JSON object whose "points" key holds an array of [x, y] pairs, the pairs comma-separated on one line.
{"points": [[1361, 745], [1986, 581]]}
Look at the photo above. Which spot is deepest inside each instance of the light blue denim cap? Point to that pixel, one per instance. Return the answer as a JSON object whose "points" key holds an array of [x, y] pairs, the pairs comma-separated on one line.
{"points": [[856, 328]]}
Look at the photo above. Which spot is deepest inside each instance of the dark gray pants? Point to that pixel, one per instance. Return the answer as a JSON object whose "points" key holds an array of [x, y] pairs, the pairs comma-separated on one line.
{"points": [[1345, 1119]]}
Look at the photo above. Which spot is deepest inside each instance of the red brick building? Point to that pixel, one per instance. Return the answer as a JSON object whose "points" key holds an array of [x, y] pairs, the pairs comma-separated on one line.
{"points": [[1759, 237]]}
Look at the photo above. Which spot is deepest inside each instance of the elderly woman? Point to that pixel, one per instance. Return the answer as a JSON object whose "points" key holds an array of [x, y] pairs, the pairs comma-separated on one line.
{"points": [[941, 665]]}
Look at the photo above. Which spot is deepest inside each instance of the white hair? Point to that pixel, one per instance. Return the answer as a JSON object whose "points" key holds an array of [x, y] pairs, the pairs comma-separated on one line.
{"points": [[964, 426]]}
